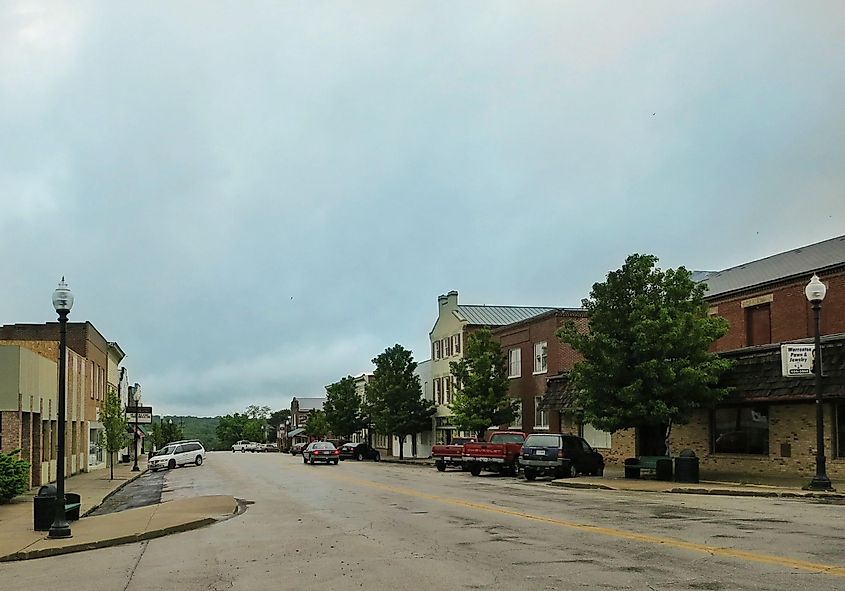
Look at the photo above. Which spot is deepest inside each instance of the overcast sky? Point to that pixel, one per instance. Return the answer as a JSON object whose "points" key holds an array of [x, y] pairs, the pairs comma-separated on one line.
{"points": [[256, 198]]}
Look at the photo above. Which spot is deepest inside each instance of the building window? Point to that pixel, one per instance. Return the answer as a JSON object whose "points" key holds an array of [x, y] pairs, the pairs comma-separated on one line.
{"points": [[437, 398], [595, 437], [436, 349], [516, 423], [447, 389], [456, 343], [541, 361], [447, 347], [541, 416], [758, 325], [514, 363], [840, 430], [743, 430]]}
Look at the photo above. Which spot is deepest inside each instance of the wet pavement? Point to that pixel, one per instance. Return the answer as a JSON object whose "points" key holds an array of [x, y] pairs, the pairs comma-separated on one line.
{"points": [[141, 492]]}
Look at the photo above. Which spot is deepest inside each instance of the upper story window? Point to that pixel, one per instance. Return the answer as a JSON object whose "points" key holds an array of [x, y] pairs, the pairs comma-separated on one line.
{"points": [[437, 396], [758, 325], [456, 343], [436, 352], [541, 361], [447, 389], [514, 363], [447, 347]]}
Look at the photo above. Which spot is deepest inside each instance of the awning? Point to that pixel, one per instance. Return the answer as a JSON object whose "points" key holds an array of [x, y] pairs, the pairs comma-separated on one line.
{"points": [[296, 432], [560, 394]]}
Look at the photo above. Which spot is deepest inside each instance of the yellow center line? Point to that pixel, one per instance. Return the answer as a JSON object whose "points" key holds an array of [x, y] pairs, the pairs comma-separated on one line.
{"points": [[804, 565]]}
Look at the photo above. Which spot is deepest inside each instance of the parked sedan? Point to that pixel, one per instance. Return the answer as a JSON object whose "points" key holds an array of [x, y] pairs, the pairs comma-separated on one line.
{"points": [[359, 451], [297, 448], [320, 451]]}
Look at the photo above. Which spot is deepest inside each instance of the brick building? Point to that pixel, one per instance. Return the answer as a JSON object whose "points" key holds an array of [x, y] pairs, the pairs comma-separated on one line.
{"points": [[454, 323], [87, 371], [766, 425]]}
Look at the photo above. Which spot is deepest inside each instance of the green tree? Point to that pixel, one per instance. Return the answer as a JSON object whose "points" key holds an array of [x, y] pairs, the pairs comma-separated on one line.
{"points": [[394, 401], [317, 425], [255, 430], [481, 391], [261, 413], [343, 407], [14, 475], [171, 431], [646, 354], [230, 429], [113, 436], [278, 418]]}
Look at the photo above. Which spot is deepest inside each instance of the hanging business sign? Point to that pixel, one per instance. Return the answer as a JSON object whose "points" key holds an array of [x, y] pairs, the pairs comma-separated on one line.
{"points": [[144, 414], [797, 359]]}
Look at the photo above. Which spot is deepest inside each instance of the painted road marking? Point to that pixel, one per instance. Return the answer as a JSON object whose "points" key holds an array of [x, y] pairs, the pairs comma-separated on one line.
{"points": [[804, 565]]}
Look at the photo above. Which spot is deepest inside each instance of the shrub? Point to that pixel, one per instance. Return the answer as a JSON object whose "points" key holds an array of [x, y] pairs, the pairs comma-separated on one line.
{"points": [[14, 475]]}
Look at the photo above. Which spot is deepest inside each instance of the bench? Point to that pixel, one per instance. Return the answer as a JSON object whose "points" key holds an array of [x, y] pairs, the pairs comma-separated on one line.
{"points": [[633, 466]]}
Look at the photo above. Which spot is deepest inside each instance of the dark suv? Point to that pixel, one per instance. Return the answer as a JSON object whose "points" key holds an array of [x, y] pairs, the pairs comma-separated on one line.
{"points": [[559, 455]]}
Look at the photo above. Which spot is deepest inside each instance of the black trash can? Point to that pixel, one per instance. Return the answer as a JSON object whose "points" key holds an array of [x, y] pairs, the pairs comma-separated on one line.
{"points": [[72, 514], [663, 469], [44, 507], [686, 467], [632, 471]]}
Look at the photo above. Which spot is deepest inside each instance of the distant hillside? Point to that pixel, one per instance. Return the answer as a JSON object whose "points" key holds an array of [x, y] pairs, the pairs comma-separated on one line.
{"points": [[202, 428]]}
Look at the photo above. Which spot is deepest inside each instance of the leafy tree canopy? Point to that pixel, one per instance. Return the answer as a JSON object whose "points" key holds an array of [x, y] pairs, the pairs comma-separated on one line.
{"points": [[481, 394], [317, 425], [343, 407], [646, 354], [278, 418], [114, 435], [394, 399]]}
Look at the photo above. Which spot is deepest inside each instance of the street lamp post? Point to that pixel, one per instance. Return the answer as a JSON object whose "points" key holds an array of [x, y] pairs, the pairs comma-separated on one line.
{"points": [[137, 398], [62, 302], [815, 292]]}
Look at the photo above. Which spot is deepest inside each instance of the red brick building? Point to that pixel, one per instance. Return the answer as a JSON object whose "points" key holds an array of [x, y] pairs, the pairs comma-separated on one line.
{"points": [[534, 354]]}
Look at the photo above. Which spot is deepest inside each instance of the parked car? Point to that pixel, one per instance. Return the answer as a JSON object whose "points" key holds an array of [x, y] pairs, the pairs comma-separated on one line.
{"points": [[297, 448], [240, 446], [271, 447], [451, 454], [500, 454], [253, 447], [359, 451], [177, 454], [321, 451], [560, 456]]}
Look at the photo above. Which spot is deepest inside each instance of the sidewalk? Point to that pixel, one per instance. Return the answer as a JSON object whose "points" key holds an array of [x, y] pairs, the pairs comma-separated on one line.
{"points": [[19, 541], [614, 479]]}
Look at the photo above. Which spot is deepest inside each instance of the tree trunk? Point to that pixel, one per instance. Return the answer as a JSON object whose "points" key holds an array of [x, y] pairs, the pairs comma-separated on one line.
{"points": [[401, 447], [111, 465]]}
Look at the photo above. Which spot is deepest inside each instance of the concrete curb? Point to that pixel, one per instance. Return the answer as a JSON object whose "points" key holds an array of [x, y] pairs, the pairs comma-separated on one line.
{"points": [[409, 462], [128, 539], [116, 490], [730, 492]]}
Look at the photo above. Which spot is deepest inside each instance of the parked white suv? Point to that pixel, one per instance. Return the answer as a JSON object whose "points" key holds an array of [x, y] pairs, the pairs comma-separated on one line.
{"points": [[177, 454]]}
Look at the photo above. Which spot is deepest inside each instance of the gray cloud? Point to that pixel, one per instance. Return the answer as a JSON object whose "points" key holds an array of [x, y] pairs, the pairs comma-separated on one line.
{"points": [[193, 167]]}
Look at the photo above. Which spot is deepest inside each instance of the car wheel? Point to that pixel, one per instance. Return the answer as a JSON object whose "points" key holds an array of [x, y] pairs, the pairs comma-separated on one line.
{"points": [[171, 464], [599, 471], [243, 451], [441, 466], [475, 469], [530, 475], [233, 450], [335, 462], [311, 461], [198, 461], [360, 457], [377, 457], [563, 472]]}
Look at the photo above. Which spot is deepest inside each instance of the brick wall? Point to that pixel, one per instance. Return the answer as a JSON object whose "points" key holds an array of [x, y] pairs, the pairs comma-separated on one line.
{"points": [[11, 421], [791, 315]]}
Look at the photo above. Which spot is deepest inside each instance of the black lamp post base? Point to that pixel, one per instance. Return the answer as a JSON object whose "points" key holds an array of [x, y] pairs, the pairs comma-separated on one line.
{"points": [[135, 468], [820, 483], [60, 530]]}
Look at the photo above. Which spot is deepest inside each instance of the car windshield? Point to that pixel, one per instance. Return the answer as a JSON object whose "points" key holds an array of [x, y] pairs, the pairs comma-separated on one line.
{"points": [[507, 438], [542, 441], [165, 450], [323, 445]]}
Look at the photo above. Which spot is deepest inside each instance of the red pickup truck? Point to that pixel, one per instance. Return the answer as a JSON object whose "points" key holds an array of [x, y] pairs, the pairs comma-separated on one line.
{"points": [[500, 454], [450, 455]]}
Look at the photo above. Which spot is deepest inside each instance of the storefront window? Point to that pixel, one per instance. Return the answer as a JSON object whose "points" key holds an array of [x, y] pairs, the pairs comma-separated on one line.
{"points": [[840, 430], [741, 430]]}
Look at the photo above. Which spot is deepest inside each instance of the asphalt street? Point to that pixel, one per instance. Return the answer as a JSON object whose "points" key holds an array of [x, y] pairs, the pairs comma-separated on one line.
{"points": [[383, 526]]}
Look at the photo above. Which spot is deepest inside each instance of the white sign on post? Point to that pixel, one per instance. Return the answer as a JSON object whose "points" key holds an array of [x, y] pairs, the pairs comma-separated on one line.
{"points": [[797, 360]]}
